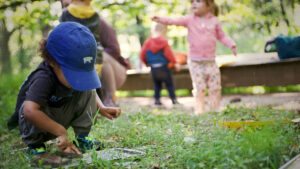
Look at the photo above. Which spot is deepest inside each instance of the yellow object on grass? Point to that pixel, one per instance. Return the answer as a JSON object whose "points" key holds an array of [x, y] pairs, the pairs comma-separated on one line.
{"points": [[241, 124]]}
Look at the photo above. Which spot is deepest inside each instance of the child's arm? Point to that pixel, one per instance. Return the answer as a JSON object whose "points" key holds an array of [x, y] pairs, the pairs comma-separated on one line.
{"points": [[108, 112], [182, 21], [39, 119], [224, 39], [143, 53], [168, 53]]}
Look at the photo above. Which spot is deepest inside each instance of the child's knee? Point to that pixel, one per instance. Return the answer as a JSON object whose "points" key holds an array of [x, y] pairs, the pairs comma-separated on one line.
{"points": [[199, 92], [216, 91]]}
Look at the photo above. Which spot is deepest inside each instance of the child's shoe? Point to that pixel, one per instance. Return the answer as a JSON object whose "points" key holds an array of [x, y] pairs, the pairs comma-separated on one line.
{"points": [[157, 103], [35, 151], [86, 143], [39, 156], [175, 102]]}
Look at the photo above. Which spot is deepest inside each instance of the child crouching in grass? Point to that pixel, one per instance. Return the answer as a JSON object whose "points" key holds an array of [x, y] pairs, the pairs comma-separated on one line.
{"points": [[60, 93]]}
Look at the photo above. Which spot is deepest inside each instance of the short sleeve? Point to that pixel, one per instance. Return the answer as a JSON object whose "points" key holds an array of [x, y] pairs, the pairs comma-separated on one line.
{"points": [[39, 91]]}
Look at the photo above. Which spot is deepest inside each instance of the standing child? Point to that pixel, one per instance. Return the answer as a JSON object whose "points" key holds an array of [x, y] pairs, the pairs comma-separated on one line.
{"points": [[157, 54], [60, 93], [204, 29]]}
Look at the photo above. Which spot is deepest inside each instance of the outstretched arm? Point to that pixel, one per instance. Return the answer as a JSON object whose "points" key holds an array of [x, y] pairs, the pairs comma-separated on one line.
{"points": [[182, 21]]}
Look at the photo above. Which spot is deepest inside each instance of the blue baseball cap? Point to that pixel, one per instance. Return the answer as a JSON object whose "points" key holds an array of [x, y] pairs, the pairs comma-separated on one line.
{"points": [[74, 47]]}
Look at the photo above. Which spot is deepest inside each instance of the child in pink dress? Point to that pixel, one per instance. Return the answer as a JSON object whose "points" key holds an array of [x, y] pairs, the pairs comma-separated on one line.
{"points": [[204, 29]]}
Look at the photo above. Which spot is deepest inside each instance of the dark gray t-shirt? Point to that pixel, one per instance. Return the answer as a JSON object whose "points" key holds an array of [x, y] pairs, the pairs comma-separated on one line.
{"points": [[43, 88]]}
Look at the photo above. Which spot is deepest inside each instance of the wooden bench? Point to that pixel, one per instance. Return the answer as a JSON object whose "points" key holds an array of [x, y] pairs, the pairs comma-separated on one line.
{"points": [[244, 70]]}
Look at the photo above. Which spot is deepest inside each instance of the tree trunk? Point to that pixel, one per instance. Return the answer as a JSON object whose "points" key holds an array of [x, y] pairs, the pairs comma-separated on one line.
{"points": [[4, 49], [141, 31], [268, 25], [284, 13], [21, 52]]}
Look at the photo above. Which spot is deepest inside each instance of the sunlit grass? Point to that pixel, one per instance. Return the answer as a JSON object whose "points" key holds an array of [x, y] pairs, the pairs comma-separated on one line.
{"points": [[150, 93]]}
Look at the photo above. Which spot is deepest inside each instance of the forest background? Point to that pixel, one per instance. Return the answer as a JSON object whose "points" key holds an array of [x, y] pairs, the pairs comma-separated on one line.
{"points": [[23, 23], [201, 143]]}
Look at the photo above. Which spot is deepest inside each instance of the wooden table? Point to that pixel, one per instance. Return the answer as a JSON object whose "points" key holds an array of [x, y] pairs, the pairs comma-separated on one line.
{"points": [[244, 70]]}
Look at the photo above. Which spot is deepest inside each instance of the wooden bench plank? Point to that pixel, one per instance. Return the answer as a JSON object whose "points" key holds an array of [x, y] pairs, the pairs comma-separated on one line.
{"points": [[245, 70]]}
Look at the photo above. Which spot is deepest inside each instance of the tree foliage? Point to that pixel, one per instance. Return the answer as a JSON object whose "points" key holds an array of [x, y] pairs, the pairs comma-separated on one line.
{"points": [[24, 22]]}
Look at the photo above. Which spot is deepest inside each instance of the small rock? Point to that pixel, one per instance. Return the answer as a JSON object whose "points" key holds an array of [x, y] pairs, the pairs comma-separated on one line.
{"points": [[189, 140], [155, 166]]}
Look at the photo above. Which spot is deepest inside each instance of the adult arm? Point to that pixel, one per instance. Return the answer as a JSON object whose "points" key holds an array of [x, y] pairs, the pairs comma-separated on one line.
{"points": [[109, 41]]}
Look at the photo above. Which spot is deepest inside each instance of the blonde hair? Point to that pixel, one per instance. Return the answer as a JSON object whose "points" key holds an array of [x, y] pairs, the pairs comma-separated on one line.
{"points": [[158, 28]]}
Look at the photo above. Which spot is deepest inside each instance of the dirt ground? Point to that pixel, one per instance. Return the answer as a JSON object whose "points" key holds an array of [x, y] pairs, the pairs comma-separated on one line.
{"points": [[286, 101]]}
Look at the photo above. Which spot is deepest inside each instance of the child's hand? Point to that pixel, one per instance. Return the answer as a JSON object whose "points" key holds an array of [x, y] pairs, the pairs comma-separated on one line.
{"points": [[66, 146], [177, 67], [155, 18], [234, 51], [110, 112]]}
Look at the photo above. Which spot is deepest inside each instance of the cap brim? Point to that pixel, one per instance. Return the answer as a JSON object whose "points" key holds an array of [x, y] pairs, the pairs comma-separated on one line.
{"points": [[82, 81]]}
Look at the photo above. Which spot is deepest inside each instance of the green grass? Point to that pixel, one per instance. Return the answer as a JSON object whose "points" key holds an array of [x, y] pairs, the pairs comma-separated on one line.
{"points": [[210, 145], [173, 138], [150, 93], [9, 89], [261, 89], [10, 140]]}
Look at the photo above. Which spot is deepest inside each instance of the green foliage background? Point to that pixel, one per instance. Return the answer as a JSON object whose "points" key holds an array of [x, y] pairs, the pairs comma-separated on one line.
{"points": [[249, 22], [23, 23]]}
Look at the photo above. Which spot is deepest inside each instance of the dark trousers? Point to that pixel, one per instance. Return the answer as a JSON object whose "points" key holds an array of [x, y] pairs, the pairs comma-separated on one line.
{"points": [[162, 75]]}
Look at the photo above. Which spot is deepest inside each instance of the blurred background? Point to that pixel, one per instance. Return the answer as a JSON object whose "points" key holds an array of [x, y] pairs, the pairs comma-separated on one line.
{"points": [[23, 23]]}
